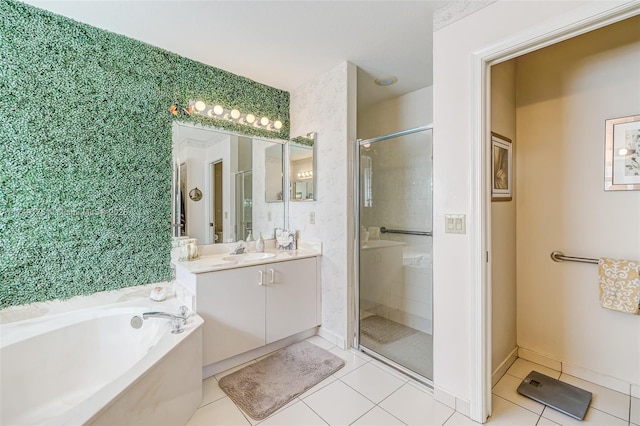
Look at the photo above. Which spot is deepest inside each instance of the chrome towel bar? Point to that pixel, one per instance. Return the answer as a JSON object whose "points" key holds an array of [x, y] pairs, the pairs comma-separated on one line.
{"points": [[558, 256], [384, 230]]}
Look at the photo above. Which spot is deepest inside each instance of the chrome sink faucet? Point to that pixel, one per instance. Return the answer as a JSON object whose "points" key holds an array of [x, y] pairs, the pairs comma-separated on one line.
{"points": [[240, 249]]}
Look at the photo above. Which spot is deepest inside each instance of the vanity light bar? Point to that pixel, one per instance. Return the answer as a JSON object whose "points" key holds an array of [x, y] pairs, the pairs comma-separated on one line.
{"points": [[305, 174], [235, 116]]}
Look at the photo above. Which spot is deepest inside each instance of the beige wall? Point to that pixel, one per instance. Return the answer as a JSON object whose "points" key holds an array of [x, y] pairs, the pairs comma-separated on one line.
{"points": [[412, 110], [503, 222], [564, 95], [456, 270]]}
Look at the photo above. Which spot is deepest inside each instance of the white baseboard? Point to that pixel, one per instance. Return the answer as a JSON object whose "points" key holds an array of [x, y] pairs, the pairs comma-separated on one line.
{"points": [[540, 359], [450, 400], [583, 373], [597, 378], [504, 366], [330, 336]]}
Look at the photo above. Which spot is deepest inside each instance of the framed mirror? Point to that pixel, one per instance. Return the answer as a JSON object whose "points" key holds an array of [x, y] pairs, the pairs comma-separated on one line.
{"points": [[302, 168], [241, 180]]}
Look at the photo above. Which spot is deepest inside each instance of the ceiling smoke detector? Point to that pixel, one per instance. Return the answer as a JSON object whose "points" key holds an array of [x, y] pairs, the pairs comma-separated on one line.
{"points": [[387, 80]]}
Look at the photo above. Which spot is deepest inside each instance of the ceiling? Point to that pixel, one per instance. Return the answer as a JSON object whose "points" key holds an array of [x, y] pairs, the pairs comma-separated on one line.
{"points": [[283, 44]]}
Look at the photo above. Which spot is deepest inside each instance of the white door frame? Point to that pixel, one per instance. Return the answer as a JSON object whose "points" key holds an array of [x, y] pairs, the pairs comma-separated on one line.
{"points": [[589, 17]]}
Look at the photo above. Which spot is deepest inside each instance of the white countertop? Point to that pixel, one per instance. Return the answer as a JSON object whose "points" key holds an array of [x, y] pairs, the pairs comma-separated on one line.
{"points": [[219, 262], [213, 259]]}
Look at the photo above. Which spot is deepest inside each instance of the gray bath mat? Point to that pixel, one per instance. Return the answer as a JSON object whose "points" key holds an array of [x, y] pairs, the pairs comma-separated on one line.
{"points": [[262, 388], [383, 330]]}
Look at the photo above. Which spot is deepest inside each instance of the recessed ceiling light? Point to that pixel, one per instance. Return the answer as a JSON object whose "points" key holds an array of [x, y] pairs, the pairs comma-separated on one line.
{"points": [[387, 80]]}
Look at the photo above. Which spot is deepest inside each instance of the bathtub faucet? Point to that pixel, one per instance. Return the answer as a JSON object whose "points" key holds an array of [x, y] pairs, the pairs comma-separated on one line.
{"points": [[177, 321], [166, 315]]}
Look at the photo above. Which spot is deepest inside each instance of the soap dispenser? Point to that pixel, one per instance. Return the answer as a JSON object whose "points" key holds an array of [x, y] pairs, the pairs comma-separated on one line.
{"points": [[249, 237], [260, 244]]}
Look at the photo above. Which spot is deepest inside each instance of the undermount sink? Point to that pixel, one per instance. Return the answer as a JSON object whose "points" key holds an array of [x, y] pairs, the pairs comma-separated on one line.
{"points": [[249, 257]]}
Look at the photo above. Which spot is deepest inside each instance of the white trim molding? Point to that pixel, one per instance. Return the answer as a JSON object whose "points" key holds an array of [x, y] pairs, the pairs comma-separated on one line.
{"points": [[591, 16]]}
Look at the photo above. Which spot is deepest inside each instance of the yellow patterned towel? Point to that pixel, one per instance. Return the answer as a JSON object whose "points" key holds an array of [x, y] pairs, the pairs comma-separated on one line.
{"points": [[620, 285]]}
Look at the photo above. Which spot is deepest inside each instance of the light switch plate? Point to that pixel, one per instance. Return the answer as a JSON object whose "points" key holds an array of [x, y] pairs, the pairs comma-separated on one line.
{"points": [[455, 223], [312, 218]]}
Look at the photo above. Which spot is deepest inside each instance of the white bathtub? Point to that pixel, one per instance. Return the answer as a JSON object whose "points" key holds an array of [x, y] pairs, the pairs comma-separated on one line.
{"points": [[91, 367]]}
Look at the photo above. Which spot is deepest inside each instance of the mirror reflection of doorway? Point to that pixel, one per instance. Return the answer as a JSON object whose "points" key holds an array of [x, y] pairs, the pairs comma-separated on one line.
{"points": [[215, 210], [244, 204]]}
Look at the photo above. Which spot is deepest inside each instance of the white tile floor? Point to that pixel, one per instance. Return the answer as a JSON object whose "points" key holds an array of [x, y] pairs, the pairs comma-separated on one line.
{"points": [[367, 393]]}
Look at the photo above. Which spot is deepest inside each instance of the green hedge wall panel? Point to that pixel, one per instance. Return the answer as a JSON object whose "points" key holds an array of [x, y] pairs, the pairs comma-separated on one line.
{"points": [[85, 165]]}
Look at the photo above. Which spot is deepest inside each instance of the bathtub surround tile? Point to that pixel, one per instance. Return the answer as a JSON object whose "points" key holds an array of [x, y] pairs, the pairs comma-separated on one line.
{"points": [[604, 399], [51, 307], [338, 404], [372, 382], [222, 412], [413, 406], [377, 417]]}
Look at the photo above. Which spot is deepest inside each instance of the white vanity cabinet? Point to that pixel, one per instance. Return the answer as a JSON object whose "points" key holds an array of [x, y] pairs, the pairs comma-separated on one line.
{"points": [[248, 307]]}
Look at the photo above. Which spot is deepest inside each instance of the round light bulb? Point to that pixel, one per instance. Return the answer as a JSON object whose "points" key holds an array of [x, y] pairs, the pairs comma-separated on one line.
{"points": [[250, 118], [623, 152], [218, 110], [278, 124], [264, 121], [200, 106], [235, 114]]}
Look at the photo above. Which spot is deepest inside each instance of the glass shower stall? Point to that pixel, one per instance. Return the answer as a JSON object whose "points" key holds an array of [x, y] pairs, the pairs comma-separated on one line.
{"points": [[393, 252]]}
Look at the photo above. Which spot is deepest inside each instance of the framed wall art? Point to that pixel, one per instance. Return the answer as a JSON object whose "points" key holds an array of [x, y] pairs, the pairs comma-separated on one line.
{"points": [[501, 168], [622, 154]]}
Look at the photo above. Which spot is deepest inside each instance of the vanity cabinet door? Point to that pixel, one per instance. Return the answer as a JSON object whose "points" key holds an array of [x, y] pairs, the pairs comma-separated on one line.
{"points": [[232, 304], [291, 298]]}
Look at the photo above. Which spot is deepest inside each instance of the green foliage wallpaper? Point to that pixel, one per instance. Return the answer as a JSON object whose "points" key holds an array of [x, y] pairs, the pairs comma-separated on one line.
{"points": [[85, 152]]}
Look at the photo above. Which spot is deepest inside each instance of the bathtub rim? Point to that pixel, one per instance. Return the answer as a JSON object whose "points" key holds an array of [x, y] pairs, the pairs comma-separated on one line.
{"points": [[91, 407]]}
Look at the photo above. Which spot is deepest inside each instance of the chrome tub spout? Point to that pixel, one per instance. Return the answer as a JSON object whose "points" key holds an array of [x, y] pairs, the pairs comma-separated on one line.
{"points": [[166, 315], [177, 321]]}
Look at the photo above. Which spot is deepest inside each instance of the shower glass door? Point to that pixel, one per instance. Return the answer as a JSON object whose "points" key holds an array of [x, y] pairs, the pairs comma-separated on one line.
{"points": [[394, 256]]}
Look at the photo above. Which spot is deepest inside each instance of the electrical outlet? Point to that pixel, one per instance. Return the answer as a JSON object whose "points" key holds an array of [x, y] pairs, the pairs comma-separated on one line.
{"points": [[269, 216], [312, 218], [455, 223]]}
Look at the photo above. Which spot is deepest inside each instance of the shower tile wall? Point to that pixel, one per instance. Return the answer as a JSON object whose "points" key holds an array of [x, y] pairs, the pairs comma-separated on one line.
{"points": [[402, 183]]}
